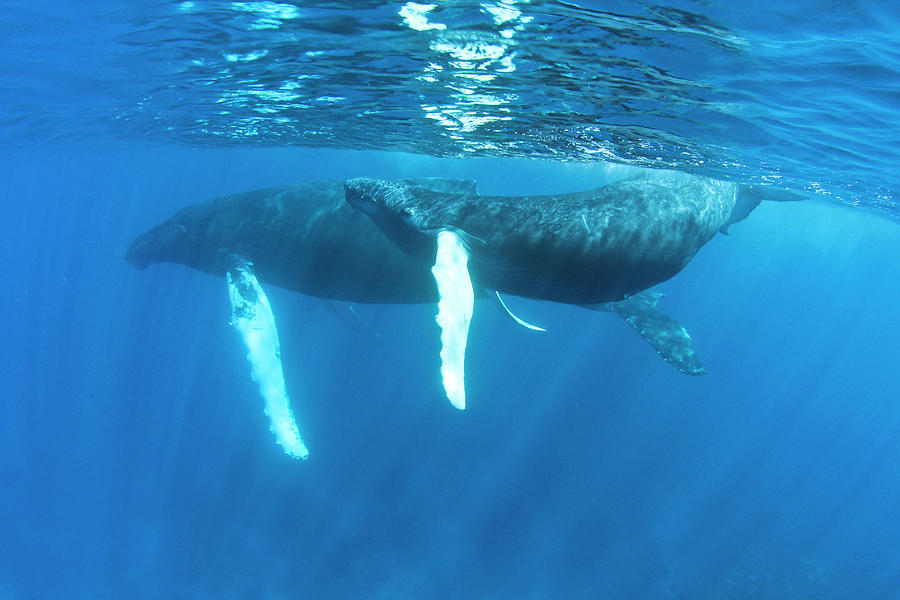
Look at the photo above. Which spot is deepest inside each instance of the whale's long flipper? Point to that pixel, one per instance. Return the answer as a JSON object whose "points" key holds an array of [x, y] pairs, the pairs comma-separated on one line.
{"points": [[457, 300], [252, 316], [667, 336], [512, 315]]}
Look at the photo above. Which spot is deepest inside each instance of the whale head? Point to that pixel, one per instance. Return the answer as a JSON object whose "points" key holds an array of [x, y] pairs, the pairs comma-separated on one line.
{"points": [[179, 240], [397, 208]]}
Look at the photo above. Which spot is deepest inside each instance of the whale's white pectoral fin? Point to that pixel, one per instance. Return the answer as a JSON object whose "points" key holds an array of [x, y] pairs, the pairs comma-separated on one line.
{"points": [[457, 300], [514, 317], [252, 317]]}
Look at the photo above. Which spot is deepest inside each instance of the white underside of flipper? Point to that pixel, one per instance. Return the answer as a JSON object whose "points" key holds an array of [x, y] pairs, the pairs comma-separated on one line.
{"points": [[512, 315], [252, 317], [457, 300]]}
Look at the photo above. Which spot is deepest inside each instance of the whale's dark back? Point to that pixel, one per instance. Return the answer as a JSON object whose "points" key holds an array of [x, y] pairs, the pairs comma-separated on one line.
{"points": [[597, 246], [589, 247]]}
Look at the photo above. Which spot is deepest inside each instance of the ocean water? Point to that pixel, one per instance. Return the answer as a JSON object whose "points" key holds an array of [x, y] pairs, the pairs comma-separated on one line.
{"points": [[135, 458]]}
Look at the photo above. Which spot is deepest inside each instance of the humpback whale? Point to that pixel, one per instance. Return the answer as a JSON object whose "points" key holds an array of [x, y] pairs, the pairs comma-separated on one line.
{"points": [[307, 238], [303, 237], [598, 248]]}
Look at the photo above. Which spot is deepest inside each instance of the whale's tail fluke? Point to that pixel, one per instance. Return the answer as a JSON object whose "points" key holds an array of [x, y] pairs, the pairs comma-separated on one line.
{"points": [[748, 197]]}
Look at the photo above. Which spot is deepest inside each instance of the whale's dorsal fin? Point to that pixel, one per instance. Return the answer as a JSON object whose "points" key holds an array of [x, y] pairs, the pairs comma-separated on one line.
{"points": [[514, 317], [252, 316], [667, 336]]}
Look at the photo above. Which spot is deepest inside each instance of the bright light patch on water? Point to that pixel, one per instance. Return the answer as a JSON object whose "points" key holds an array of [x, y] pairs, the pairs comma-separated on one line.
{"points": [[271, 9], [505, 12], [480, 77], [457, 300], [473, 60], [252, 317], [506, 64], [484, 99], [265, 23], [294, 84], [249, 56], [471, 51], [248, 98], [415, 16], [456, 119]]}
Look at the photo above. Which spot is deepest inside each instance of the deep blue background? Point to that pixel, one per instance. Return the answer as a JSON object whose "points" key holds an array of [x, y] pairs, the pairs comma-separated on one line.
{"points": [[135, 460]]}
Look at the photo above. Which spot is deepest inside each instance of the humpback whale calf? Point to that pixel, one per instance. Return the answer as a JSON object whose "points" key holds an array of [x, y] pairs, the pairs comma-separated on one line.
{"points": [[307, 238]]}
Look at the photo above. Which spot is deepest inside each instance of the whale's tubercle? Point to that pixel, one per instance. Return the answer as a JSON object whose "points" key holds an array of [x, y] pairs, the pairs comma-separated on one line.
{"points": [[252, 317]]}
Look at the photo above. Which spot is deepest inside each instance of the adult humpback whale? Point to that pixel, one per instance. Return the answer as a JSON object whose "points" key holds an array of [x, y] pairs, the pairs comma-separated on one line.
{"points": [[589, 248], [307, 238]]}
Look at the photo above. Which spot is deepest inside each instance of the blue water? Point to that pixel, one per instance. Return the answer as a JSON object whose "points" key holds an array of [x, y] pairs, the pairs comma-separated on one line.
{"points": [[135, 459]]}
